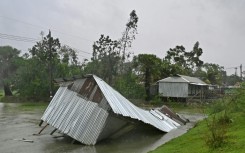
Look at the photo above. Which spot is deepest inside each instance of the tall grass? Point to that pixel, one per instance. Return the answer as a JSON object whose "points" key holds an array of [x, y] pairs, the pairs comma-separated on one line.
{"points": [[222, 131]]}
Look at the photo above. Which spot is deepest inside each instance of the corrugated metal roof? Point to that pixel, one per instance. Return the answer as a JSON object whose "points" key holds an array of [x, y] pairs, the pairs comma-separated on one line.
{"points": [[192, 79], [183, 78], [173, 79], [83, 114], [120, 105]]}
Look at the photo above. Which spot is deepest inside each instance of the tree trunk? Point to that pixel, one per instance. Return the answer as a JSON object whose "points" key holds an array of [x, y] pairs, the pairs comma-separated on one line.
{"points": [[7, 91], [147, 84]]}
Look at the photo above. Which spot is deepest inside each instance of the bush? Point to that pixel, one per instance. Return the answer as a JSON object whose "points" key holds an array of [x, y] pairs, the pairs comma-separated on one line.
{"points": [[156, 100], [218, 106], [218, 124], [217, 131]]}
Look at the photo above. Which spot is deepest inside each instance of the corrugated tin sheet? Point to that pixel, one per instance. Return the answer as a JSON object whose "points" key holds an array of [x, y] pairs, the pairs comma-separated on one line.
{"points": [[168, 89], [192, 79], [183, 78], [81, 119], [81, 108], [120, 105], [173, 79]]}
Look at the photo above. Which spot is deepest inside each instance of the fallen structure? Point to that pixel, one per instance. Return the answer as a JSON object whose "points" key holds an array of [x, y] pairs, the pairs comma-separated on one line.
{"points": [[174, 116], [89, 110]]}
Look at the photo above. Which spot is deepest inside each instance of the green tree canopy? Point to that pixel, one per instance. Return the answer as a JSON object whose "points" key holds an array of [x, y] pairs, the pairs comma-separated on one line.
{"points": [[184, 62], [129, 34], [211, 73], [8, 66], [47, 60], [106, 57], [148, 66]]}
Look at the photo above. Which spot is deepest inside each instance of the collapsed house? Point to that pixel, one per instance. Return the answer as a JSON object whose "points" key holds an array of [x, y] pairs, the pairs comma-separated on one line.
{"points": [[89, 110]]}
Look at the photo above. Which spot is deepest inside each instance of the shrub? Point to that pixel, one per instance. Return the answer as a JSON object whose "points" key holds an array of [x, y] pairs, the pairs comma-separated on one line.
{"points": [[217, 131]]}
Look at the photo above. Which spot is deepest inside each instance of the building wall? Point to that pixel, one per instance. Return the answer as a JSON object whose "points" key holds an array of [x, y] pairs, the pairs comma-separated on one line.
{"points": [[172, 89]]}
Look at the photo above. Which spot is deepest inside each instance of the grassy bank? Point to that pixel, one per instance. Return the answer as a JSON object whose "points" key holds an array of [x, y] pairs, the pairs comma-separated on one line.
{"points": [[30, 106], [21, 104], [1, 93], [222, 132], [25, 107]]}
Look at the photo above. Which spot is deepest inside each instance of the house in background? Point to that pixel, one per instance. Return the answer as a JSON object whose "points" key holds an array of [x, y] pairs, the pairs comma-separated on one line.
{"points": [[182, 87]]}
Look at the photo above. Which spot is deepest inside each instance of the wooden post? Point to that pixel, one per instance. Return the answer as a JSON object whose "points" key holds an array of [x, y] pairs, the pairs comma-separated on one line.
{"points": [[41, 122], [53, 131], [42, 129]]}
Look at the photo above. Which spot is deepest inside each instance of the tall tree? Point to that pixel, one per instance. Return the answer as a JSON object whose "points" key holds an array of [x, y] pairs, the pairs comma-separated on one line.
{"points": [[129, 34], [232, 80], [109, 55], [106, 57], [47, 49], [211, 73], [194, 56], [184, 62], [68, 64], [32, 79], [47, 60], [68, 55], [47, 52], [214, 73], [149, 67], [8, 66]]}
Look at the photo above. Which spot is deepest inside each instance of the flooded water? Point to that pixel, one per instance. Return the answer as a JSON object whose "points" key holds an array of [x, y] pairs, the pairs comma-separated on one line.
{"points": [[16, 125]]}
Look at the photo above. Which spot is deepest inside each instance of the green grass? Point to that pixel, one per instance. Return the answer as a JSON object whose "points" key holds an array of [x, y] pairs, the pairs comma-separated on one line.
{"points": [[195, 139], [186, 143], [30, 106], [1, 94], [182, 107], [25, 107]]}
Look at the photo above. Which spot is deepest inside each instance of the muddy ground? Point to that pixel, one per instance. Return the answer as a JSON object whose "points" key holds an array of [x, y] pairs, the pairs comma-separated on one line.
{"points": [[18, 125]]}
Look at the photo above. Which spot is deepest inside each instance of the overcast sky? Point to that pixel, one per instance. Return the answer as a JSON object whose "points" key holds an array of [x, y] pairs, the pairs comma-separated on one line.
{"points": [[218, 25]]}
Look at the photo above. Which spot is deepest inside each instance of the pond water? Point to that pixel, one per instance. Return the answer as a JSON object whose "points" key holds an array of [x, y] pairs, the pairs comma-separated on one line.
{"points": [[16, 125]]}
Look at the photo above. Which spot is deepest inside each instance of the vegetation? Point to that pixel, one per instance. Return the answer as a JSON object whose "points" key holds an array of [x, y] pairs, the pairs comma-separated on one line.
{"points": [[8, 66], [25, 107], [147, 66], [1, 94], [28, 106], [222, 131], [183, 61], [31, 76]]}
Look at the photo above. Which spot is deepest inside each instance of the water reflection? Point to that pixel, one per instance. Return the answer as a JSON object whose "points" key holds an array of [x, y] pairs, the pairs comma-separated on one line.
{"points": [[137, 141]]}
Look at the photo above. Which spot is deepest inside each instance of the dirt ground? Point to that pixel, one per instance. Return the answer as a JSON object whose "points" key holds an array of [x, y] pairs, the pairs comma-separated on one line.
{"points": [[16, 126]]}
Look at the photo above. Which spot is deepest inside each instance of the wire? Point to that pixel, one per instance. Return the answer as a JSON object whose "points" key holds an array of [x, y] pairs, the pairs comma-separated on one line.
{"points": [[17, 38], [33, 40], [33, 25], [79, 51]]}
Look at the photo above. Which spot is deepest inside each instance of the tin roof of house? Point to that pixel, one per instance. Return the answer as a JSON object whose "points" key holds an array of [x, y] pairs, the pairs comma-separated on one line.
{"points": [[84, 120], [183, 79]]}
